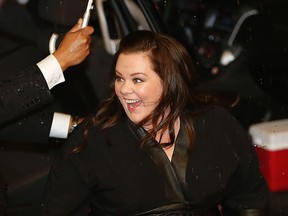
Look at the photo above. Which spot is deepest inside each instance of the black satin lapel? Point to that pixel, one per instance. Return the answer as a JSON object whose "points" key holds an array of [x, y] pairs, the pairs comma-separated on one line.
{"points": [[180, 158], [172, 188]]}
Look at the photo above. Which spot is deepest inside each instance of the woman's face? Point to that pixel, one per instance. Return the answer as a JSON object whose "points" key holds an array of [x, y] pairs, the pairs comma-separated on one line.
{"points": [[137, 85]]}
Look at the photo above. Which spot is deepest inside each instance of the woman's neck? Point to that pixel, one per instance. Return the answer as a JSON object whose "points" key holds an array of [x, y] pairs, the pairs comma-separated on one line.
{"points": [[164, 137]]}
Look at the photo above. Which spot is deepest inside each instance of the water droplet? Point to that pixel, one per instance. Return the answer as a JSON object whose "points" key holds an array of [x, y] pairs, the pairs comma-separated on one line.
{"points": [[219, 176], [211, 37], [236, 156]]}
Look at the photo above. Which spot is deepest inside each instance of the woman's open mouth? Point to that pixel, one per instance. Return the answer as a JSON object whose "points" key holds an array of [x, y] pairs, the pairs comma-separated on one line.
{"points": [[132, 104]]}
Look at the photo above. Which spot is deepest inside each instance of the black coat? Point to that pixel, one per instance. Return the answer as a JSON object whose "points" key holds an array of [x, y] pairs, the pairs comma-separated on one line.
{"points": [[118, 178]]}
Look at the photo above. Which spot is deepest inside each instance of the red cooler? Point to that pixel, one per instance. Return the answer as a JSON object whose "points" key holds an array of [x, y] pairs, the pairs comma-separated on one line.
{"points": [[271, 144]]}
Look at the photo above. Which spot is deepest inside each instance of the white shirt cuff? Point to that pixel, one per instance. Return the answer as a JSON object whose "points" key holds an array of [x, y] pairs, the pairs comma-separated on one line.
{"points": [[60, 125], [51, 71]]}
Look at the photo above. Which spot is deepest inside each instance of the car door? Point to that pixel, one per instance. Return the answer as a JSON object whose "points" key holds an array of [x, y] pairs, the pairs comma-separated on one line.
{"points": [[118, 18]]}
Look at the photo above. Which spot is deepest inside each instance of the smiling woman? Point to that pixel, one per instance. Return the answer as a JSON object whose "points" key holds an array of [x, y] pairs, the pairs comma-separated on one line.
{"points": [[156, 146]]}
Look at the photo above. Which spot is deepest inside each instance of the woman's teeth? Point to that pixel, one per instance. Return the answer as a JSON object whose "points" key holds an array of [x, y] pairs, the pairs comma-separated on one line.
{"points": [[131, 101]]}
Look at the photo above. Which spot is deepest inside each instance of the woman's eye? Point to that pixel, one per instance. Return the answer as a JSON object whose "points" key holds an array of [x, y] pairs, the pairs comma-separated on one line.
{"points": [[137, 80], [118, 79]]}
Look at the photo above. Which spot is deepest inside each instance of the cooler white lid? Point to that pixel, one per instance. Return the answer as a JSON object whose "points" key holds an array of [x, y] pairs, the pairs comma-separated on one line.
{"points": [[272, 135]]}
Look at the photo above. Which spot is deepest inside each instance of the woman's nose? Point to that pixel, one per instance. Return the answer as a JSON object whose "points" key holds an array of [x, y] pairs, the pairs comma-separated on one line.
{"points": [[126, 88]]}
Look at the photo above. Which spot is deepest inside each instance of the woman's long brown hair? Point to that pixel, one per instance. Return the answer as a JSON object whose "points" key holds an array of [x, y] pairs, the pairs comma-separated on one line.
{"points": [[173, 65]]}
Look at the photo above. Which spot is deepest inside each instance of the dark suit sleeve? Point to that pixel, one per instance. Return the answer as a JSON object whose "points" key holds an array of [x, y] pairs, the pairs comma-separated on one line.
{"points": [[34, 128], [22, 93]]}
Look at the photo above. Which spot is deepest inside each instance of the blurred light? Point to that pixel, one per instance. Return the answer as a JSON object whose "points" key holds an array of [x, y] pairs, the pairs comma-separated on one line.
{"points": [[23, 2], [227, 57]]}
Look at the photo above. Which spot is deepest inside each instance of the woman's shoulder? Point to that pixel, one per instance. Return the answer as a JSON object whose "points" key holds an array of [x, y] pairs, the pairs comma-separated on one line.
{"points": [[213, 111], [214, 115], [219, 120]]}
